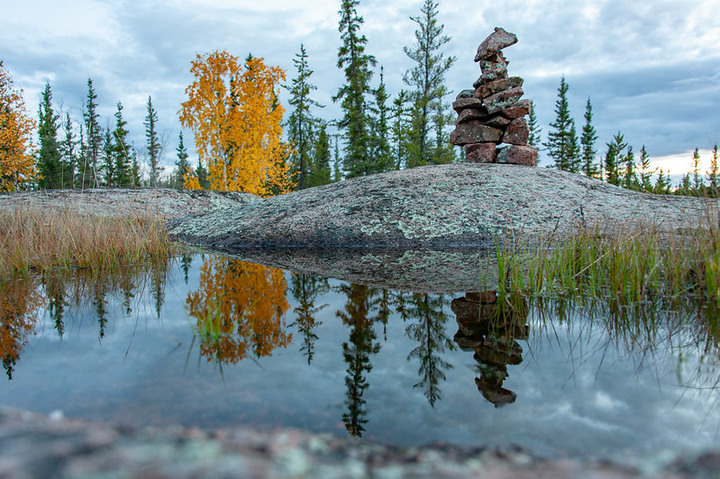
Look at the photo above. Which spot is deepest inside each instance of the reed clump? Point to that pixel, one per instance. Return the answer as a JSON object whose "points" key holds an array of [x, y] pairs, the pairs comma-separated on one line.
{"points": [[43, 239], [625, 264]]}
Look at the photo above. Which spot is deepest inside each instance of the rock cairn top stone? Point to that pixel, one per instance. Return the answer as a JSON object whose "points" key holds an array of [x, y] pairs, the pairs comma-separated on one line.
{"points": [[491, 123]]}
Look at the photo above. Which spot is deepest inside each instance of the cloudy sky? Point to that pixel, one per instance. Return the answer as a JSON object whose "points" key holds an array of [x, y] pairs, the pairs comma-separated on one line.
{"points": [[650, 68]]}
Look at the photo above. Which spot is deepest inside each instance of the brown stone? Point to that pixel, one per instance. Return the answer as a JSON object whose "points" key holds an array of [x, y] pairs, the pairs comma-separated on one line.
{"points": [[486, 297], [493, 71], [470, 114], [502, 100], [494, 43], [517, 132], [497, 86], [517, 155], [465, 94], [517, 109], [498, 121], [464, 103], [474, 132], [480, 153]]}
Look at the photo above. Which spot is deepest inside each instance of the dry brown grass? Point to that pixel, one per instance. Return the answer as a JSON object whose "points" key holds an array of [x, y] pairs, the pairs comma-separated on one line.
{"points": [[41, 239]]}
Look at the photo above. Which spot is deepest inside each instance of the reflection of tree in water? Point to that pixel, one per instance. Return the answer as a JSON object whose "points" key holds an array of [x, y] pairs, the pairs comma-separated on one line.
{"points": [[428, 331], [356, 353], [240, 309], [20, 302], [490, 328], [65, 292], [305, 289]]}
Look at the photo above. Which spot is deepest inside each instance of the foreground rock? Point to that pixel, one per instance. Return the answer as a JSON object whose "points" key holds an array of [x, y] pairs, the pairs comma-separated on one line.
{"points": [[32, 445], [448, 206]]}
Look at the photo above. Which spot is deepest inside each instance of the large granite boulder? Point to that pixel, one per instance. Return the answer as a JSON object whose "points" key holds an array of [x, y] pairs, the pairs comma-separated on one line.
{"points": [[449, 206]]}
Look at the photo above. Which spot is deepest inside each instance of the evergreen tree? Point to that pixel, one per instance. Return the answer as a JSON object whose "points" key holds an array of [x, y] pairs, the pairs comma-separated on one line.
{"points": [[93, 141], [154, 148], [124, 174], [107, 156], [645, 171], [301, 121], [587, 140], [713, 173], [443, 117], [337, 174], [613, 158], [202, 175], [380, 132], [135, 180], [320, 164], [182, 164], [662, 183], [427, 78], [400, 129], [67, 150], [562, 144], [697, 178], [49, 157], [630, 180], [356, 64], [534, 138]]}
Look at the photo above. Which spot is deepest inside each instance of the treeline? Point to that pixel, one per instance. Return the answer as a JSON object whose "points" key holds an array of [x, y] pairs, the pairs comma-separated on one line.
{"points": [[619, 165], [376, 132]]}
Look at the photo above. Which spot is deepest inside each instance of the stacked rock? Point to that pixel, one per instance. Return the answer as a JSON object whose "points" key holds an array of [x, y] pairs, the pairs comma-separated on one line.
{"points": [[493, 112]]}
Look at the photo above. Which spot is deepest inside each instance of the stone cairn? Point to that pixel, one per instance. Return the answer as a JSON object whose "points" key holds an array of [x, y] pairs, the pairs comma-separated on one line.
{"points": [[493, 113]]}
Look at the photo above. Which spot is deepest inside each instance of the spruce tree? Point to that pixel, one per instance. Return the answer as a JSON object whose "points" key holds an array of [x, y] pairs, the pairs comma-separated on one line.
{"points": [[562, 144], [427, 80], [69, 155], [49, 157], [613, 158], [662, 183], [697, 178], [202, 175], [301, 121], [443, 150], [400, 129], [645, 171], [630, 180], [124, 174], [587, 140], [380, 131], [93, 141], [534, 138], [182, 165], [356, 64], [713, 178], [107, 159], [320, 164], [152, 143]]}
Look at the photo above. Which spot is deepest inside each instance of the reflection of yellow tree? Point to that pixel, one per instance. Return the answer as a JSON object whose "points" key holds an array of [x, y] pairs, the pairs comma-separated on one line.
{"points": [[239, 306], [20, 301]]}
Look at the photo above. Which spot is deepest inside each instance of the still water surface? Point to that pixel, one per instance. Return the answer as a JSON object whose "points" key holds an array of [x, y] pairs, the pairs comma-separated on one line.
{"points": [[211, 342]]}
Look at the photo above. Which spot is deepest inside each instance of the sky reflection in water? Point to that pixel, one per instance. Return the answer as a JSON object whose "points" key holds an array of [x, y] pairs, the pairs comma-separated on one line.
{"points": [[212, 342]]}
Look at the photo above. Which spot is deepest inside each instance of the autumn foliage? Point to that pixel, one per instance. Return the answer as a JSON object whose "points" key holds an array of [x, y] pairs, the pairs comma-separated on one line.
{"points": [[239, 308], [17, 164], [233, 110]]}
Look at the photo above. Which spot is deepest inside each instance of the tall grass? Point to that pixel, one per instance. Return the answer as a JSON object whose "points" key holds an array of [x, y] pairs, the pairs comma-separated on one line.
{"points": [[623, 264], [42, 239]]}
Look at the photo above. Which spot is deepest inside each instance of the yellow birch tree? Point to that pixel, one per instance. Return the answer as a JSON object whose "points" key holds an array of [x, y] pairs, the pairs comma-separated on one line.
{"points": [[235, 115], [17, 163]]}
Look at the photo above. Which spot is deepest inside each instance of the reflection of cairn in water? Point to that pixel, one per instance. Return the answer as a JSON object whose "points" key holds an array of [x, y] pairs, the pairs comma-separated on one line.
{"points": [[490, 328]]}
